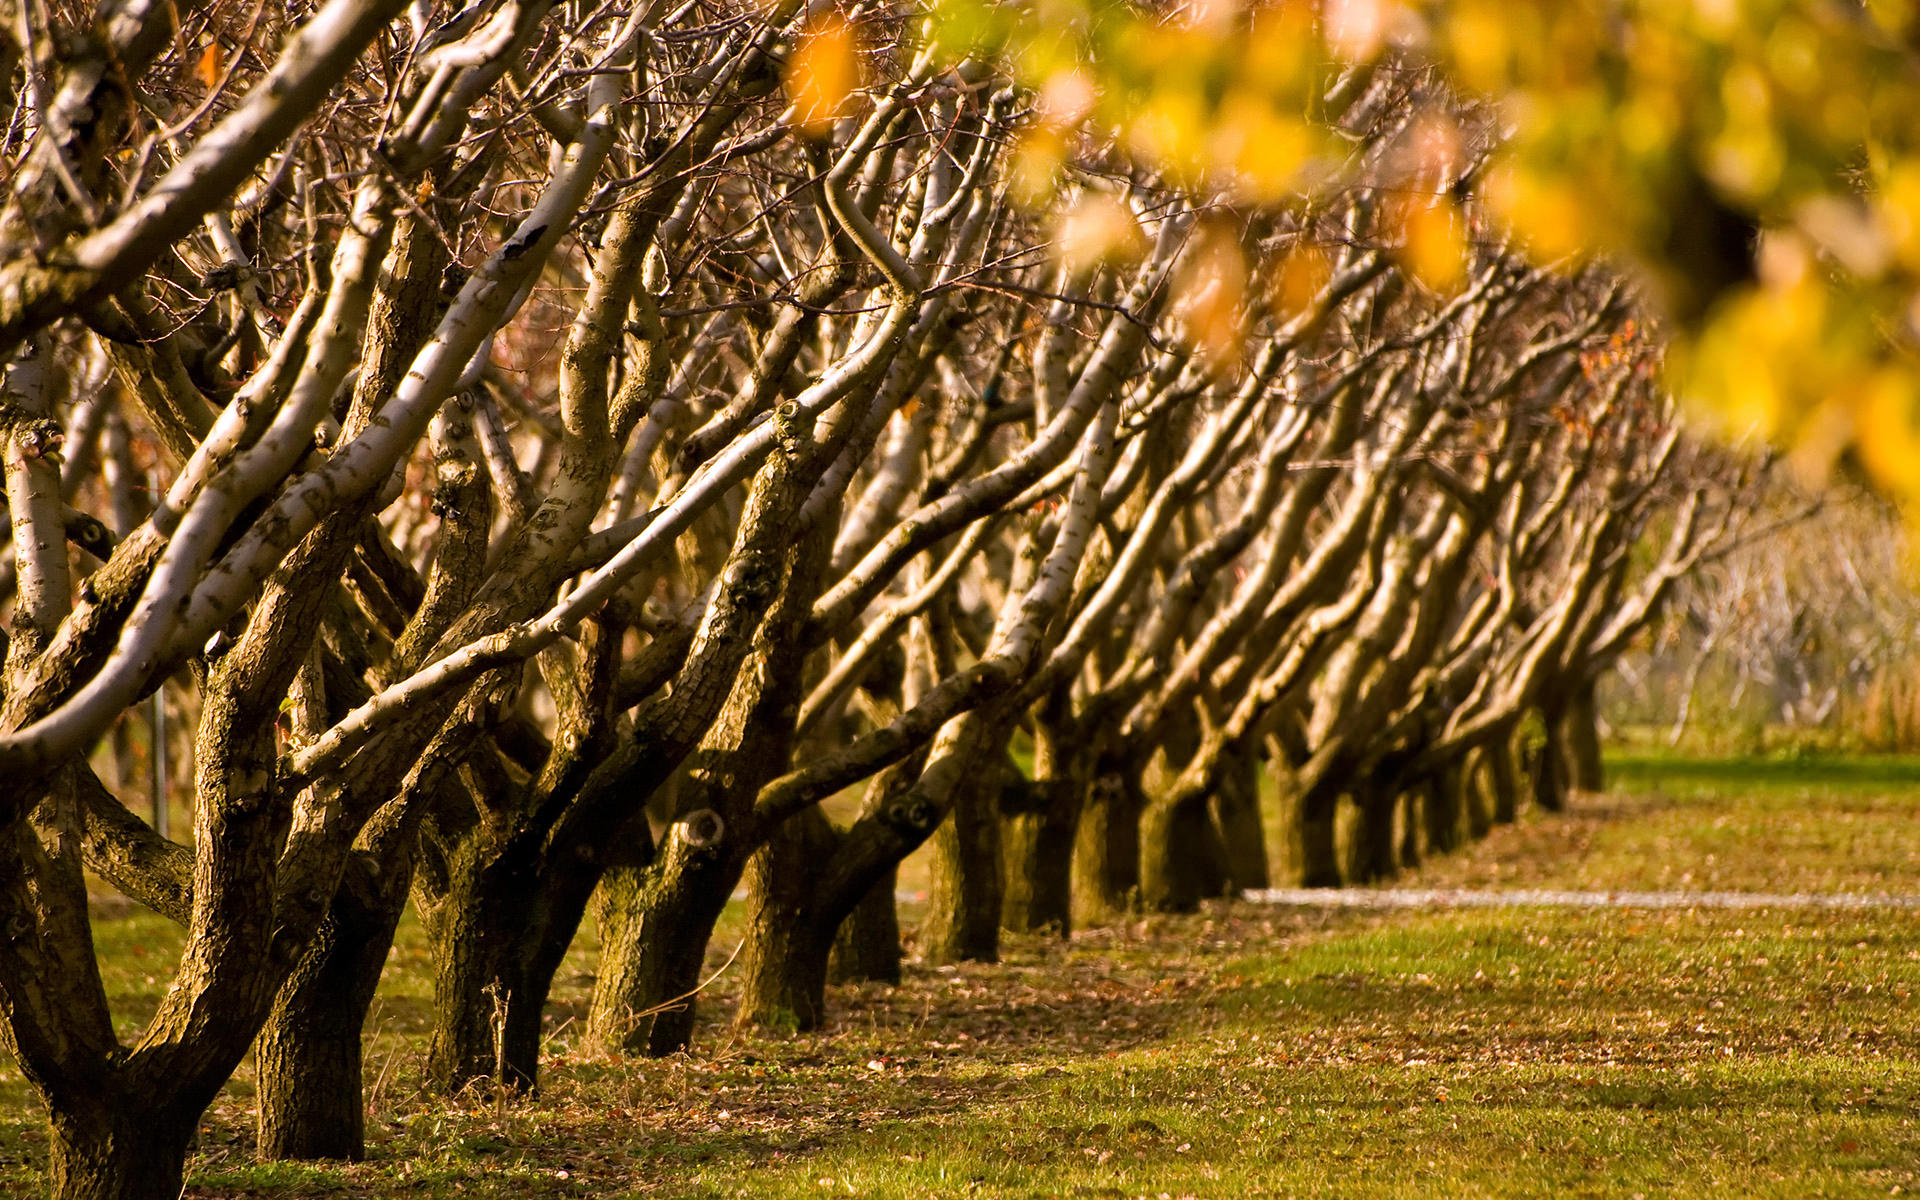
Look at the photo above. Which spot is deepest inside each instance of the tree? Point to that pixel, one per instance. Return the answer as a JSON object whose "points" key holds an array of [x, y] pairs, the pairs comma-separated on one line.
{"points": [[584, 439]]}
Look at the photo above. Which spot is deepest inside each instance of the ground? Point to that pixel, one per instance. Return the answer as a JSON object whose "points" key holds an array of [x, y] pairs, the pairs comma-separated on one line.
{"points": [[1252, 1051]]}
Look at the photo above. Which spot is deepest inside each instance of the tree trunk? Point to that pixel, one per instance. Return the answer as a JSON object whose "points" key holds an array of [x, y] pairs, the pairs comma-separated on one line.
{"points": [[1373, 850], [1106, 848], [1412, 823], [1181, 859], [655, 923], [1582, 721], [963, 924], [1500, 780], [309, 1053], [1037, 849], [1243, 835], [1319, 841], [119, 1151], [867, 947], [1475, 794], [1548, 765], [1442, 801], [784, 966]]}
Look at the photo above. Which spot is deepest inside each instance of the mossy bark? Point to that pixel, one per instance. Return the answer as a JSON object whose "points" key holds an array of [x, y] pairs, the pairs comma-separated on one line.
{"points": [[655, 923], [784, 966], [308, 1057]]}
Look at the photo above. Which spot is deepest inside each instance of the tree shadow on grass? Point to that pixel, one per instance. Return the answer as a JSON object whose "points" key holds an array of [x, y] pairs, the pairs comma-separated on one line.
{"points": [[948, 1042]]}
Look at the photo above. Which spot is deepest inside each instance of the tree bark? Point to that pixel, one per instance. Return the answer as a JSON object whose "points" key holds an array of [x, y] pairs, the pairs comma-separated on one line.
{"points": [[1548, 765], [1505, 788], [963, 923], [309, 1053], [1106, 847], [119, 1151], [1586, 769], [655, 923], [1476, 793], [1442, 802], [1373, 853], [784, 963], [1243, 835], [1181, 859], [867, 947], [1411, 824], [1319, 840]]}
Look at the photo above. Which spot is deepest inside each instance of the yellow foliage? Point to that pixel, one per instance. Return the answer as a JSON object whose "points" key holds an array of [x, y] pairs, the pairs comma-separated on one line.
{"points": [[1097, 229], [822, 73], [1210, 292], [1433, 246]]}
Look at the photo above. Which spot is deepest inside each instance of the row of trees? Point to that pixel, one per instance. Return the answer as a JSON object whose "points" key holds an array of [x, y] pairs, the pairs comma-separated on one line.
{"points": [[560, 444]]}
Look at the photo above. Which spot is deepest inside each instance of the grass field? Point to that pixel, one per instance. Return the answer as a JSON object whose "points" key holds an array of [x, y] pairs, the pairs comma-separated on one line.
{"points": [[1251, 1051]]}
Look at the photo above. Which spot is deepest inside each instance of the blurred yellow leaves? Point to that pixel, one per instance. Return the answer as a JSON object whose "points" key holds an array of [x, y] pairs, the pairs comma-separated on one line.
{"points": [[1098, 229], [1760, 159], [1210, 292], [1433, 242], [1300, 276], [823, 71], [1356, 30]]}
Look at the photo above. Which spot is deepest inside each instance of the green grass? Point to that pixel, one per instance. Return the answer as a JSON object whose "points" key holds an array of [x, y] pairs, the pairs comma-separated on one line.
{"points": [[1254, 1052]]}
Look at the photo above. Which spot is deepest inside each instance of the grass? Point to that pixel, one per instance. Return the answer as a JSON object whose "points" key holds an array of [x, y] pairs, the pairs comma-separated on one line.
{"points": [[1250, 1051]]}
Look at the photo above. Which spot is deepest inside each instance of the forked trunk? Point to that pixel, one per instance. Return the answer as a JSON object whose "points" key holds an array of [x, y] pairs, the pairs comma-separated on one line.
{"points": [[655, 923], [119, 1150], [309, 1053]]}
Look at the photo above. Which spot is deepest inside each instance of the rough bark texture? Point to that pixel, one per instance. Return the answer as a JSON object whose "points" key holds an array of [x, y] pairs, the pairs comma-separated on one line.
{"points": [[308, 1056], [110, 1151], [653, 935], [963, 922], [784, 967], [867, 947]]}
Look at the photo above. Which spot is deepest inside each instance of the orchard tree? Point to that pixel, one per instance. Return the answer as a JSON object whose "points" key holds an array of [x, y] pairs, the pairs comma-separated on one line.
{"points": [[558, 444]]}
